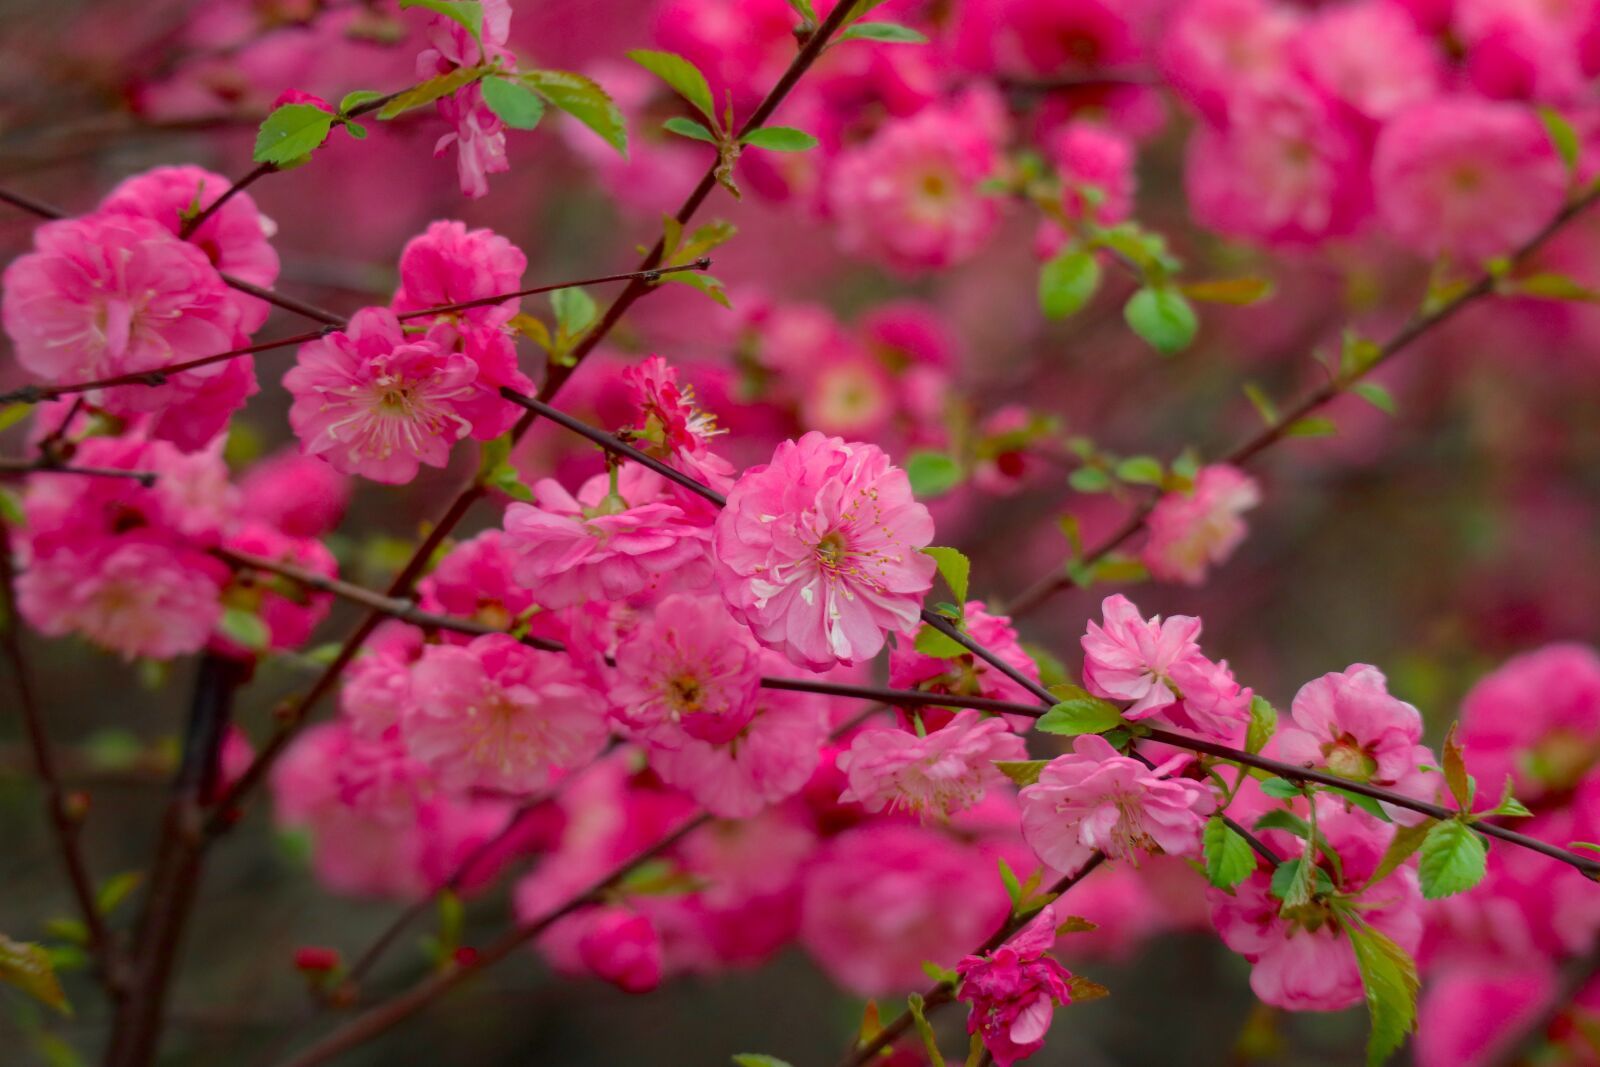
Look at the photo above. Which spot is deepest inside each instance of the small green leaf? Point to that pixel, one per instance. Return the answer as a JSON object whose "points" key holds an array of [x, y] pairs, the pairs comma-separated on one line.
{"points": [[1589, 846], [1229, 858], [804, 9], [684, 126], [1080, 713], [708, 284], [1357, 354], [1089, 480], [353, 100], [116, 889], [1238, 291], [468, 14], [954, 568], [1262, 403], [1406, 840], [891, 32], [1280, 819], [1550, 286], [919, 1018], [518, 106], [1008, 878], [683, 76], [1163, 318], [26, 966], [434, 88], [942, 975], [1263, 724], [1562, 135], [1294, 881], [1068, 282], [291, 133], [1389, 977], [1141, 470], [1376, 395], [1452, 860], [1360, 800], [780, 139], [505, 479], [575, 310], [938, 644], [1023, 772], [12, 414], [492, 454], [245, 628], [1083, 990], [1280, 788], [1509, 805], [758, 1059], [584, 100], [1312, 426], [932, 473]]}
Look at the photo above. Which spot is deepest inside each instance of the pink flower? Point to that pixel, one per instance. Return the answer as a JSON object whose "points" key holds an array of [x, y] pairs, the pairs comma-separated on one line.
{"points": [[1468, 1012], [689, 671], [1191, 530], [1536, 718], [1465, 177], [474, 581], [817, 551], [624, 948], [910, 195], [298, 494], [1088, 155], [1014, 989], [134, 595], [1217, 51], [671, 426], [236, 238], [879, 900], [1303, 961], [942, 773], [1213, 702], [495, 714], [967, 674], [1131, 658], [377, 686], [599, 546], [1094, 800], [479, 134], [289, 611], [375, 401], [1347, 722], [117, 294], [1042, 38], [450, 264], [1370, 55]]}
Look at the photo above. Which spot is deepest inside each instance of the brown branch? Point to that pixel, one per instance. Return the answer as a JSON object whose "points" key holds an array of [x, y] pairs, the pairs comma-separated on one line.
{"points": [[48, 464]]}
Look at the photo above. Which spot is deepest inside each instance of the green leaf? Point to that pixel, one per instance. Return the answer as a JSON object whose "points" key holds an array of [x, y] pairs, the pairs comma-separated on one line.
{"points": [[758, 1059], [1089, 480], [1406, 840], [468, 14], [683, 76], [684, 126], [26, 966], [779, 139], [1141, 470], [584, 100], [1068, 282], [708, 284], [1080, 713], [1357, 354], [355, 129], [12, 414], [891, 32], [1008, 878], [1455, 770], [930, 1043], [1083, 990], [1261, 402], [434, 88], [932, 473], [1280, 788], [1509, 805], [954, 568], [291, 133], [1312, 426], [1238, 291], [1263, 724], [804, 9], [1389, 977], [116, 889], [1376, 395], [1229, 858], [517, 105], [942, 975], [353, 100], [1549, 286], [505, 479], [1024, 771], [492, 454], [1586, 845], [245, 628], [1452, 860], [1562, 135], [575, 310], [1294, 881], [1280, 819], [1360, 800], [938, 644], [1163, 318]]}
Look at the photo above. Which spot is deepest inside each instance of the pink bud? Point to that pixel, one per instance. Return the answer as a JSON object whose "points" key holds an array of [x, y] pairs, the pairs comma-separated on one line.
{"points": [[623, 948], [314, 960], [296, 96]]}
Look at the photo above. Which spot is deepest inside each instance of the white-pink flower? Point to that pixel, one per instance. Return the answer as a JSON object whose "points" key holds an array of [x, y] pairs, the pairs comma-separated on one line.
{"points": [[942, 773], [1094, 800], [818, 552], [495, 714], [1191, 530], [1131, 658]]}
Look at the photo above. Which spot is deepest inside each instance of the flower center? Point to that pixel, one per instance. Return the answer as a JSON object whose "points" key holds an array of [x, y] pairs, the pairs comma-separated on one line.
{"points": [[832, 549], [1348, 759], [685, 693]]}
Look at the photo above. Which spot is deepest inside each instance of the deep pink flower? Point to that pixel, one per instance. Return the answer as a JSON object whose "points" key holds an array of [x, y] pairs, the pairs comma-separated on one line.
{"points": [[376, 401], [478, 133], [1094, 800], [1466, 177], [1213, 702], [1087, 154], [818, 551], [299, 494], [1215, 52], [968, 675], [624, 948], [671, 426], [377, 686], [1131, 658], [450, 264], [497, 714], [1536, 718], [1369, 55], [1190, 531], [689, 671], [1014, 989], [1347, 722], [474, 581], [289, 610], [595, 546], [940, 774]]}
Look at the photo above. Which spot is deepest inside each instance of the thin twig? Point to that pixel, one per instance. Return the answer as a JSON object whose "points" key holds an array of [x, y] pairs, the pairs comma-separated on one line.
{"points": [[48, 464]]}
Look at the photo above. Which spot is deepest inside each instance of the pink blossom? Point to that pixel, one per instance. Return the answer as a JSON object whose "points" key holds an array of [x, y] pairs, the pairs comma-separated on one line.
{"points": [[1535, 718], [624, 948], [450, 264], [1044, 38], [967, 674], [496, 714], [1189, 531], [135, 595], [689, 671], [289, 611], [942, 773], [1213, 703], [1347, 722], [1094, 800], [1369, 55], [600, 546], [375, 401], [478, 133], [910, 196], [1465, 177], [377, 686], [1088, 155], [1131, 658], [1526, 51], [1014, 989], [817, 551], [1217, 51], [474, 581], [300, 495], [1466, 1013], [671, 426], [236, 238], [877, 902], [1303, 961]]}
